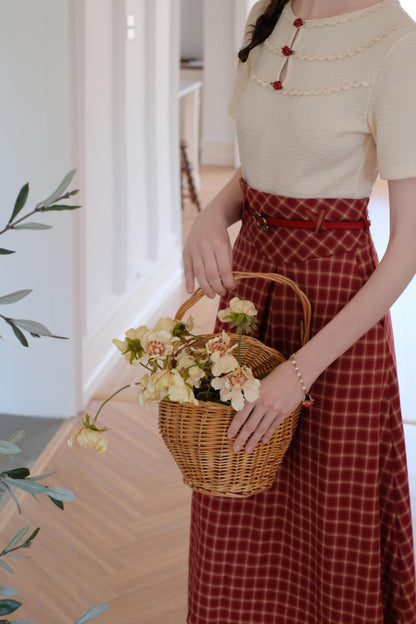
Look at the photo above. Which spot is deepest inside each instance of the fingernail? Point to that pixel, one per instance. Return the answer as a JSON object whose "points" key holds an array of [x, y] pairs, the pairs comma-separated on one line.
{"points": [[237, 447]]}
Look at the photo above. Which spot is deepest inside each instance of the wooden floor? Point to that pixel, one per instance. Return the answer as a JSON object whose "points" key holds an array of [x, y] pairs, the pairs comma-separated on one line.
{"points": [[125, 539]]}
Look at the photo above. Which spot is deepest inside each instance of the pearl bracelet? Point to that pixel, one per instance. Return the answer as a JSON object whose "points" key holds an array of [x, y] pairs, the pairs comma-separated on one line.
{"points": [[308, 400]]}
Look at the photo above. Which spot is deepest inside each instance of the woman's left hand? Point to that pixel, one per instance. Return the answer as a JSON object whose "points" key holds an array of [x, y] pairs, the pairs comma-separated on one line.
{"points": [[280, 394]]}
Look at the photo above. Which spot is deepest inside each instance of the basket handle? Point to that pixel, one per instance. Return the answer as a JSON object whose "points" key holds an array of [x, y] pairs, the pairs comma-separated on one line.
{"points": [[274, 277]]}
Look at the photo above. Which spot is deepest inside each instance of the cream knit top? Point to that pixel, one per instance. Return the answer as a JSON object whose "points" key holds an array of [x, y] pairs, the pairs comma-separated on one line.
{"points": [[342, 107]]}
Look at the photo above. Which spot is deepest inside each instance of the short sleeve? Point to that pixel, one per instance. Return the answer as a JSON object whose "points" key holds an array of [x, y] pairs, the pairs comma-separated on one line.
{"points": [[244, 69], [393, 112]]}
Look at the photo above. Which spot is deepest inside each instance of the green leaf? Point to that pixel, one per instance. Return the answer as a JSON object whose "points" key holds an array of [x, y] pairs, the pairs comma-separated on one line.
{"points": [[60, 494], [15, 296], [35, 329], [57, 503], [61, 188], [6, 566], [8, 606], [59, 207], [17, 436], [8, 448], [32, 326], [26, 486], [16, 473], [19, 535], [19, 335], [33, 535], [20, 201], [9, 490], [44, 476], [4, 252], [93, 612], [32, 226], [6, 590]]}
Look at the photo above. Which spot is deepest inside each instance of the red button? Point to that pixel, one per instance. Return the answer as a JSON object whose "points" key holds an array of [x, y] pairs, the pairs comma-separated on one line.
{"points": [[298, 22], [277, 85], [287, 51]]}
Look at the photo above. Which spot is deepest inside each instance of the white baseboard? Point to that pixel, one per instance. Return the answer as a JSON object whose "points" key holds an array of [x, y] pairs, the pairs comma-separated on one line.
{"points": [[221, 154], [151, 298]]}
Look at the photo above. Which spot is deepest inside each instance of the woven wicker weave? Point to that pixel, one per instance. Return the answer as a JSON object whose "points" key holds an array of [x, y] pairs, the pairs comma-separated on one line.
{"points": [[197, 438]]}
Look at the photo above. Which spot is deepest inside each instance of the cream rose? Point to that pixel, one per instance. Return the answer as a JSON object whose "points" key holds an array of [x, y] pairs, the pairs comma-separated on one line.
{"points": [[165, 324], [224, 364], [148, 395], [172, 385], [237, 306], [86, 437]]}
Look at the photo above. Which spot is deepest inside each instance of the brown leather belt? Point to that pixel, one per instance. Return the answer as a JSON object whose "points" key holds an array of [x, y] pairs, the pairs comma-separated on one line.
{"points": [[316, 223]]}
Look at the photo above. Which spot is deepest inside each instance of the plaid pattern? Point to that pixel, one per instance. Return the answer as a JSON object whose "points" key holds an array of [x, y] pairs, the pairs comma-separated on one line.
{"points": [[331, 542]]}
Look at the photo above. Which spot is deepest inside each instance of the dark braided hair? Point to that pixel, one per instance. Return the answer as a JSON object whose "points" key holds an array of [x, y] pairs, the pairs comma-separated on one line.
{"points": [[263, 27]]}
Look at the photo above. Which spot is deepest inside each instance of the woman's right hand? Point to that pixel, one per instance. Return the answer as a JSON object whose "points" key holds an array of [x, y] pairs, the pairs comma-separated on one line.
{"points": [[207, 254]]}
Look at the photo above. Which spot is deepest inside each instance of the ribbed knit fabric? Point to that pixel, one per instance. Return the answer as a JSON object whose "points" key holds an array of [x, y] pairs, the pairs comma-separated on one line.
{"points": [[345, 108]]}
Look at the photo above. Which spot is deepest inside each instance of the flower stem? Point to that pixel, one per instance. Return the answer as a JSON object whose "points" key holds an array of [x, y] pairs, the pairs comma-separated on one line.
{"points": [[240, 336], [112, 396]]}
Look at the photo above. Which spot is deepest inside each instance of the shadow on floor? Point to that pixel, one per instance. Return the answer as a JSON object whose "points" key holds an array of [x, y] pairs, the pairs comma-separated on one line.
{"points": [[38, 433]]}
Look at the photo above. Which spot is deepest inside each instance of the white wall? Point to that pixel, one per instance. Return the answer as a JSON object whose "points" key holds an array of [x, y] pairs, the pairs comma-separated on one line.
{"points": [[192, 29], [36, 147], [217, 145], [131, 171], [77, 93]]}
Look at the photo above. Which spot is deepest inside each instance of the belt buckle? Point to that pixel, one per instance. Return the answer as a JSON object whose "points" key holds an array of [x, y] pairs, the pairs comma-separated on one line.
{"points": [[261, 221]]}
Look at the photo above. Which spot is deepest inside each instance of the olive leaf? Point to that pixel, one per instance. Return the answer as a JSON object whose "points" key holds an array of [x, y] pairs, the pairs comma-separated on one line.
{"points": [[58, 192], [35, 328], [4, 252], [6, 590], [20, 533], [15, 296], [8, 606], [19, 335], [32, 226], [20, 201], [93, 612], [8, 448], [5, 566]]}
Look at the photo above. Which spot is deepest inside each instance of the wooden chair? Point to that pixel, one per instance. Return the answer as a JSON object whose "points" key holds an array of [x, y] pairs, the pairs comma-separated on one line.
{"points": [[188, 177]]}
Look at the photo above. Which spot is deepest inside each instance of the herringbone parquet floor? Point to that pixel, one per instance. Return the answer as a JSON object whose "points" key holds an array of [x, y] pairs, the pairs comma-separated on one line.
{"points": [[125, 539]]}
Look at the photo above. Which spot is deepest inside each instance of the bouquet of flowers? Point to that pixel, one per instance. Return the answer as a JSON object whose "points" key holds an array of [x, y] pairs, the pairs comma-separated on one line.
{"points": [[184, 367]]}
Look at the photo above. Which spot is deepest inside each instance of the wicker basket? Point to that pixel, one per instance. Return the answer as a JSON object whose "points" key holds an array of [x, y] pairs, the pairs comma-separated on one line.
{"points": [[197, 438]]}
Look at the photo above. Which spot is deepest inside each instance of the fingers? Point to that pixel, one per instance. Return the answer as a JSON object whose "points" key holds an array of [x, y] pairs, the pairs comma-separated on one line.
{"points": [[249, 429], [211, 266]]}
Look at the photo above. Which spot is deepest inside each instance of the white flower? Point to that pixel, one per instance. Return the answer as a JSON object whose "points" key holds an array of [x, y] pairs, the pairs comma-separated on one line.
{"points": [[218, 346], [238, 386], [138, 333], [237, 306], [165, 324], [189, 369], [224, 364], [165, 384], [131, 347], [158, 343], [148, 395]]}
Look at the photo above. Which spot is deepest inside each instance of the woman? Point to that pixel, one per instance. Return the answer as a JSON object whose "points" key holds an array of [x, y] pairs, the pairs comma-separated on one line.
{"points": [[325, 99]]}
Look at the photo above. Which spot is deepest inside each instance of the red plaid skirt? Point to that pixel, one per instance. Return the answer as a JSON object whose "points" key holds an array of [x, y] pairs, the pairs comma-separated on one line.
{"points": [[331, 541]]}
